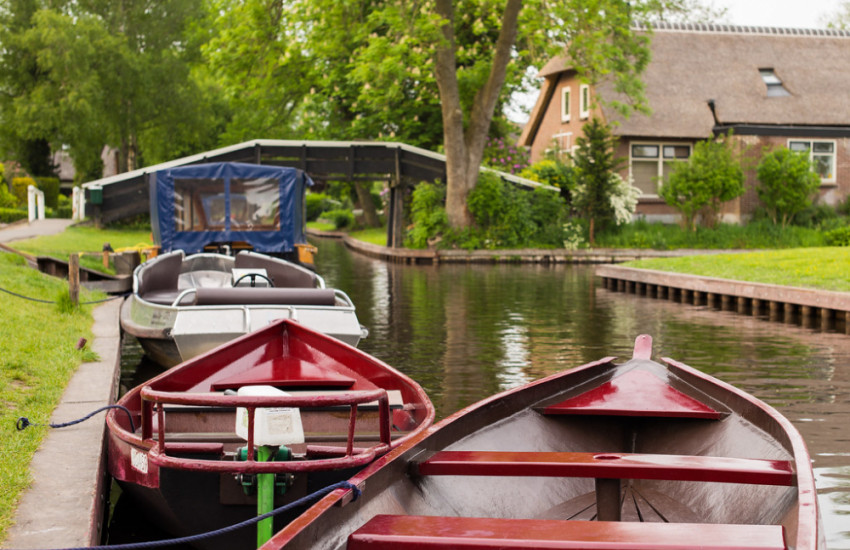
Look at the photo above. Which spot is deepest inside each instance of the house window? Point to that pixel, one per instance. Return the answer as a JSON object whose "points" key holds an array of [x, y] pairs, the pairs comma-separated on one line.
{"points": [[821, 154], [584, 97], [650, 163], [565, 104], [774, 85], [561, 145]]}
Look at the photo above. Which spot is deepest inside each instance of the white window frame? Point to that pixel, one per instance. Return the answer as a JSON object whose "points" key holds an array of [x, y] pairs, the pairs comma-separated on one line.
{"points": [[584, 101], [659, 161], [565, 143], [566, 96], [812, 154]]}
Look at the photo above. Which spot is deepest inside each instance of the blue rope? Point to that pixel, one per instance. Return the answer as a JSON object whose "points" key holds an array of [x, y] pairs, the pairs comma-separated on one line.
{"points": [[224, 530], [23, 422]]}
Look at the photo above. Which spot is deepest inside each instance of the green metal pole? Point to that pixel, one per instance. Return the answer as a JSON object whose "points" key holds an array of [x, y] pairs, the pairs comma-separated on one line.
{"points": [[265, 497]]}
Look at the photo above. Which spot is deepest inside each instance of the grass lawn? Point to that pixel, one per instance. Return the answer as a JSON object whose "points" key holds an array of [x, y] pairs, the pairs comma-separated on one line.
{"points": [[825, 268], [375, 235], [84, 239], [37, 358]]}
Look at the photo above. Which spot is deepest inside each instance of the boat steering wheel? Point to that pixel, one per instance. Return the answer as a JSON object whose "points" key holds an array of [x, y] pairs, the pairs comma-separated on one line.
{"points": [[253, 277]]}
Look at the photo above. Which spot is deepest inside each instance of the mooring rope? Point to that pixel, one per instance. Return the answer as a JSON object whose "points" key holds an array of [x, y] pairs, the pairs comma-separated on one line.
{"points": [[224, 530], [122, 295], [23, 422]]}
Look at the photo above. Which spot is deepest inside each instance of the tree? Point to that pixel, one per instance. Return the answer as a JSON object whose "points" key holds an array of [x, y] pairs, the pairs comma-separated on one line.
{"points": [[786, 183], [106, 72], [839, 18], [595, 167], [712, 176]]}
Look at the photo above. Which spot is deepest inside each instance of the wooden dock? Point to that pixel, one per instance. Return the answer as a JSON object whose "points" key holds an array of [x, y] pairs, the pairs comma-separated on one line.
{"points": [[811, 308]]}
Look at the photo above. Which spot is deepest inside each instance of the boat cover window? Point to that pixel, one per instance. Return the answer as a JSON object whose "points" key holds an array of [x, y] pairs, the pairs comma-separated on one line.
{"points": [[254, 204]]}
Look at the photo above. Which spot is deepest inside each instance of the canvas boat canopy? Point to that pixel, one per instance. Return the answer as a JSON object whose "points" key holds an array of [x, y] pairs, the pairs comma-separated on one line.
{"points": [[197, 206]]}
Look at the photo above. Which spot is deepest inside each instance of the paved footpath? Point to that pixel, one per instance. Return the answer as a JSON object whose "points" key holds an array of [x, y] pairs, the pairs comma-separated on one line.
{"points": [[63, 506]]}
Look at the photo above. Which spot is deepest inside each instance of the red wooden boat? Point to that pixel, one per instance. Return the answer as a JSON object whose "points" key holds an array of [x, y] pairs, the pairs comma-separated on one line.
{"points": [[180, 455], [642, 455]]}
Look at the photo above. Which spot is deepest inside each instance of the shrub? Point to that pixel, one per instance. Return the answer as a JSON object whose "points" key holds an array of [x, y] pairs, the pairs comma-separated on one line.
{"points": [[505, 156], [50, 188], [838, 237], [555, 173], [19, 189], [341, 218], [316, 203], [9, 215], [428, 214], [786, 183], [64, 208], [712, 176], [7, 199]]}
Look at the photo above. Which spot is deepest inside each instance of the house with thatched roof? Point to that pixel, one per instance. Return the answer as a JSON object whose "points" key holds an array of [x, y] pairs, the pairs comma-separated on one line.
{"points": [[771, 87]]}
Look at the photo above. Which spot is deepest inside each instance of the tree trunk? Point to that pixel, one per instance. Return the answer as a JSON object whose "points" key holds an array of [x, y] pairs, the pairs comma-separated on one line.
{"points": [[465, 149], [370, 213]]}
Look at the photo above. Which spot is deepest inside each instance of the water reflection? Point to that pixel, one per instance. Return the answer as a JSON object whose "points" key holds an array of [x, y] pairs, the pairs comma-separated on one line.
{"points": [[468, 331]]}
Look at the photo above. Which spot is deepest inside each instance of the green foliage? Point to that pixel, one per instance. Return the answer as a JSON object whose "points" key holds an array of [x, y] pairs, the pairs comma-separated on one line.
{"points": [[316, 203], [712, 176], [64, 209], [839, 236], [9, 215], [554, 172], [7, 199], [756, 234], [341, 218], [50, 188], [786, 183], [19, 188], [502, 155], [595, 165], [428, 215]]}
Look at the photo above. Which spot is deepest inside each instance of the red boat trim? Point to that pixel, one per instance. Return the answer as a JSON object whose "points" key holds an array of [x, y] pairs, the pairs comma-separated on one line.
{"points": [[387, 532], [152, 399], [609, 466], [635, 393], [808, 518]]}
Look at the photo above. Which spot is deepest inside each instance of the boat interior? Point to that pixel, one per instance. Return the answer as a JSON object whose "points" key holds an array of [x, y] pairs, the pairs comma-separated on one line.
{"points": [[215, 279], [646, 459]]}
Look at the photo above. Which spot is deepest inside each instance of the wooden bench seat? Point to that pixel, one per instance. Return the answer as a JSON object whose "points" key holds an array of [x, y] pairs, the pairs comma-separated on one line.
{"points": [[609, 466], [385, 532]]}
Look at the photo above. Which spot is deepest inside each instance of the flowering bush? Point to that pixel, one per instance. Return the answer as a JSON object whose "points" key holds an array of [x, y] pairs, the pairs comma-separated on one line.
{"points": [[504, 156]]}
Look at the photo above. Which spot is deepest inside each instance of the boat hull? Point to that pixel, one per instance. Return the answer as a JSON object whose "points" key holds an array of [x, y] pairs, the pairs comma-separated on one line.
{"points": [[353, 408], [711, 424]]}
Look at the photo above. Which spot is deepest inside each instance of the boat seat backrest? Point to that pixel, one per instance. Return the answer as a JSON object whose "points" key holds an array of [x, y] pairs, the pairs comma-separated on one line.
{"points": [[445, 532], [160, 274], [284, 275], [268, 296]]}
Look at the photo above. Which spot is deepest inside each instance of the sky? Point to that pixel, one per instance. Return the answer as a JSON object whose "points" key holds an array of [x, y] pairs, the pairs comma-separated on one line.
{"points": [[801, 14]]}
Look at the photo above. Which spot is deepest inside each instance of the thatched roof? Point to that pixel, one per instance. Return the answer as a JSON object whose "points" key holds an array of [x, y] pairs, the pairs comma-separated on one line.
{"points": [[692, 64]]}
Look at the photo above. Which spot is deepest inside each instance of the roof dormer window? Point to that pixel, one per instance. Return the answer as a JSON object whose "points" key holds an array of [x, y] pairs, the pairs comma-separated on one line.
{"points": [[774, 85]]}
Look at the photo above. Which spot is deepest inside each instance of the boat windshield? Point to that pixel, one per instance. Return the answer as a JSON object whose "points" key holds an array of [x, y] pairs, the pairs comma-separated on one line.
{"points": [[202, 204]]}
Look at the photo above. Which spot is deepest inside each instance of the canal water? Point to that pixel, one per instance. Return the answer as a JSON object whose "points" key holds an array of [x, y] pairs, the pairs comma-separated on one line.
{"points": [[466, 332]]}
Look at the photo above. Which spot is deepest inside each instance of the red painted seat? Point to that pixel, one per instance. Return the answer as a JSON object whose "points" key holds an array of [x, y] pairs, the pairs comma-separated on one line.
{"points": [[609, 466], [385, 532]]}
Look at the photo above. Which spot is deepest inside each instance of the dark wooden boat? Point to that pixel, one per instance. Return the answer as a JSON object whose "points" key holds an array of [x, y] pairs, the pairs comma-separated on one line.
{"points": [[642, 455], [180, 457]]}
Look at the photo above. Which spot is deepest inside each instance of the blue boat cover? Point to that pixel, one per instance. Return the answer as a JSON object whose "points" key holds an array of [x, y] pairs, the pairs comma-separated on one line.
{"points": [[225, 202]]}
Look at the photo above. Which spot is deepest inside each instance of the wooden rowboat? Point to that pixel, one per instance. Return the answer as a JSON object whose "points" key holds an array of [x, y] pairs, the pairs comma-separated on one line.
{"points": [[633, 456], [186, 451]]}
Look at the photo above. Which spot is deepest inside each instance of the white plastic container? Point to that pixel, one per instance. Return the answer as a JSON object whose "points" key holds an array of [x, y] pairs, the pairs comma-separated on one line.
{"points": [[272, 426]]}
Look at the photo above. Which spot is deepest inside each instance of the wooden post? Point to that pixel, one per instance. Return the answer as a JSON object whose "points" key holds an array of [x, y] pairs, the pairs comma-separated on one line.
{"points": [[74, 279]]}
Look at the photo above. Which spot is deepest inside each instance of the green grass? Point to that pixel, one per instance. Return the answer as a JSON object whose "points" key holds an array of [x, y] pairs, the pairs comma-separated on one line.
{"points": [[823, 268], [37, 358], [321, 226], [374, 235], [84, 239]]}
